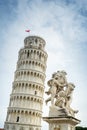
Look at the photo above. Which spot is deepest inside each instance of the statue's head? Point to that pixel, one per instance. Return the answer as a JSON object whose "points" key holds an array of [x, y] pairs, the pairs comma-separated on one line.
{"points": [[63, 72], [59, 74], [71, 86], [50, 82]]}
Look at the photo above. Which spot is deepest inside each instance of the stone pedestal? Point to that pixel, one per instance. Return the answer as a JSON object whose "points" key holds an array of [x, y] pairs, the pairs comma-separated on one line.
{"points": [[59, 119], [61, 123]]}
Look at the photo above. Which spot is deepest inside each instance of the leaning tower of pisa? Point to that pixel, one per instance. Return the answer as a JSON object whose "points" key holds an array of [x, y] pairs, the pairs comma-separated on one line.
{"points": [[26, 100]]}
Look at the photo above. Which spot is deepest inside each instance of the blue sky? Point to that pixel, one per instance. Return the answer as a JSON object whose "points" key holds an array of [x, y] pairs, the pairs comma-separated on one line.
{"points": [[63, 25]]}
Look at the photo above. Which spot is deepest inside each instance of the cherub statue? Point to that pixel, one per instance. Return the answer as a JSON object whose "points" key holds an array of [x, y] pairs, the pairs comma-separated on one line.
{"points": [[60, 92], [52, 90], [64, 99], [57, 83]]}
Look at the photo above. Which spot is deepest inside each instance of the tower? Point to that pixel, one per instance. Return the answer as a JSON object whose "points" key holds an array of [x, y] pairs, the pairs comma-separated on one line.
{"points": [[26, 100]]}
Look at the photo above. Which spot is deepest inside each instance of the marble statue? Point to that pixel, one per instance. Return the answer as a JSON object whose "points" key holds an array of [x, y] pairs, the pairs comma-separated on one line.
{"points": [[60, 92], [56, 84], [52, 90]]}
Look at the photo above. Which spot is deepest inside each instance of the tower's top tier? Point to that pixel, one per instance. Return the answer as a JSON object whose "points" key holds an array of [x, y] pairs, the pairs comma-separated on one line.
{"points": [[34, 41]]}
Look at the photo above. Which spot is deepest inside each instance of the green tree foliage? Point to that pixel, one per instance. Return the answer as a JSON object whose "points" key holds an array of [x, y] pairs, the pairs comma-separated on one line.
{"points": [[80, 128]]}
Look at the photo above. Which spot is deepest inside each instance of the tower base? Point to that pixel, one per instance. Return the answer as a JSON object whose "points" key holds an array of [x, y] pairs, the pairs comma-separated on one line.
{"points": [[62, 123]]}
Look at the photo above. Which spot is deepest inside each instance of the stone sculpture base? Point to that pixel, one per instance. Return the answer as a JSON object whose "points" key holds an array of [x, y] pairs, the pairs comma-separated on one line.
{"points": [[59, 120], [57, 112], [61, 123]]}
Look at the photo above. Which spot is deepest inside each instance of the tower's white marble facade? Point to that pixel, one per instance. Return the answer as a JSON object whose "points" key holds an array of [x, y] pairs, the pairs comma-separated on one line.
{"points": [[26, 100]]}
